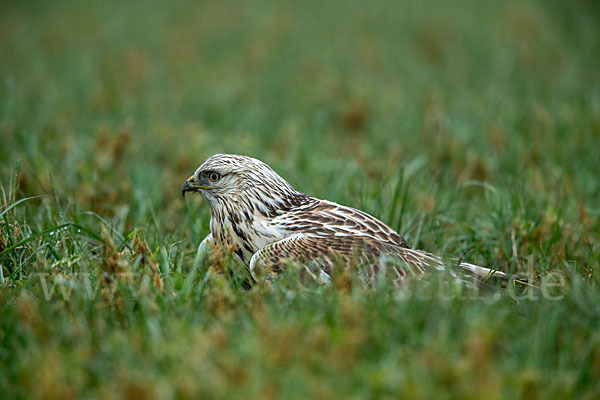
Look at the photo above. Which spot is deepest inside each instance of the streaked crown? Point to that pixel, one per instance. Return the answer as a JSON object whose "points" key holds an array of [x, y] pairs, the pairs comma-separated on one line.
{"points": [[229, 179]]}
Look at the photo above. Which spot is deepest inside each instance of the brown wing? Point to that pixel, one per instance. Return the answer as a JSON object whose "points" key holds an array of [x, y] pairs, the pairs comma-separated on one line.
{"points": [[318, 255], [324, 218]]}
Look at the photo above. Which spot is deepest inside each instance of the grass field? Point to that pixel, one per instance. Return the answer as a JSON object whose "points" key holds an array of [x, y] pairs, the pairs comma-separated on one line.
{"points": [[472, 127]]}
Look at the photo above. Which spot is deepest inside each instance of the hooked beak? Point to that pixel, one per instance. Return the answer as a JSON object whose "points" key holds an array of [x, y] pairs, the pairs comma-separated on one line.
{"points": [[190, 185]]}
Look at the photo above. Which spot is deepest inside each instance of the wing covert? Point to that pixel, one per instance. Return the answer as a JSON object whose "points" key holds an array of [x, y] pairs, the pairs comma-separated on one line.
{"points": [[318, 255]]}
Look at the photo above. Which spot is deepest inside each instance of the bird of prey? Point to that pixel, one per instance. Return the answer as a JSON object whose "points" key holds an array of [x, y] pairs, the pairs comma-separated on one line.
{"points": [[267, 224]]}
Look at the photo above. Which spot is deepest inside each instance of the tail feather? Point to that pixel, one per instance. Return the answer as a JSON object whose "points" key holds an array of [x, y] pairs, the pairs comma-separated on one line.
{"points": [[422, 259], [485, 273]]}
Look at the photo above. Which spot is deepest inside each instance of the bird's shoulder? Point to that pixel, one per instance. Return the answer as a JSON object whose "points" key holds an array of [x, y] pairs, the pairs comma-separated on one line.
{"points": [[326, 218]]}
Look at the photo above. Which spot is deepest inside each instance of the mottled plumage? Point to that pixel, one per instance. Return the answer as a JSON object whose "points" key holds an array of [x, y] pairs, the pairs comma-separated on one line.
{"points": [[267, 224]]}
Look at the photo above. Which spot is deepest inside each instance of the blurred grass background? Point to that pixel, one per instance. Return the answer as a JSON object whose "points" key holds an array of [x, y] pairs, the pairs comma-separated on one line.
{"points": [[473, 128]]}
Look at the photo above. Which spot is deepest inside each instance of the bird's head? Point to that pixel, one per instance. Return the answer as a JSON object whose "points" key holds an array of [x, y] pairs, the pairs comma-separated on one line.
{"points": [[228, 178]]}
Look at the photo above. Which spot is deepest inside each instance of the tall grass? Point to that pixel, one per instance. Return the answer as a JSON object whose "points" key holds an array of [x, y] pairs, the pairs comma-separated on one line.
{"points": [[472, 128]]}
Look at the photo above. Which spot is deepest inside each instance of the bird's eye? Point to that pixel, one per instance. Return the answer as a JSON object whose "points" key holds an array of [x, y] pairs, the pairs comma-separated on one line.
{"points": [[214, 176]]}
